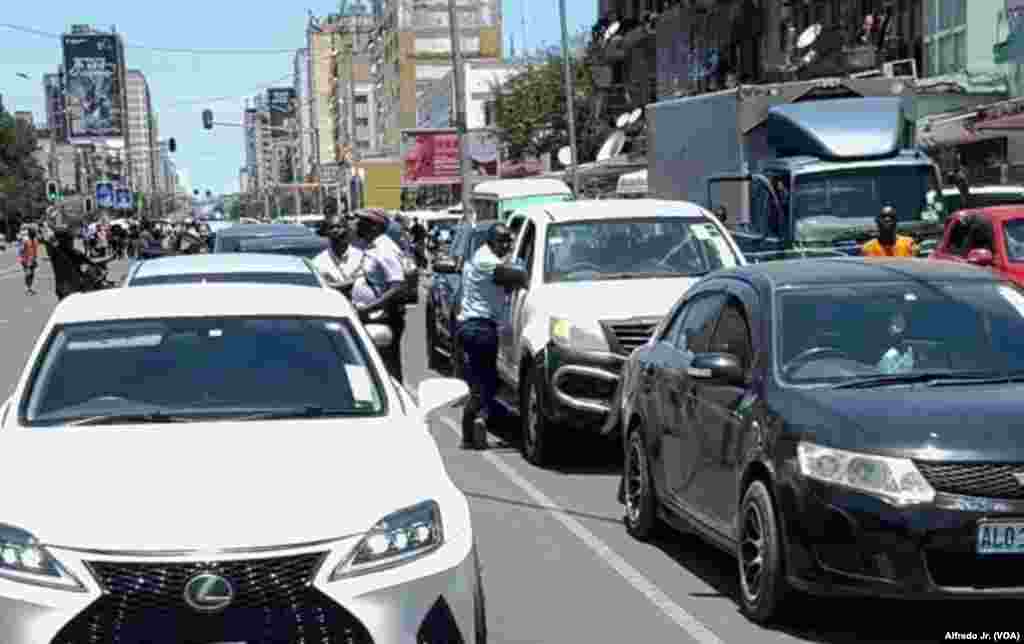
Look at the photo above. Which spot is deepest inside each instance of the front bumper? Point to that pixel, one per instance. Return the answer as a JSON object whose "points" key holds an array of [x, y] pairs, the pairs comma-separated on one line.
{"points": [[847, 543], [581, 385], [433, 599]]}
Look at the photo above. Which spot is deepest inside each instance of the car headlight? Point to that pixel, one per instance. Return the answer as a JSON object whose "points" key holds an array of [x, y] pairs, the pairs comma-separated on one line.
{"points": [[578, 337], [396, 539], [896, 480], [24, 559]]}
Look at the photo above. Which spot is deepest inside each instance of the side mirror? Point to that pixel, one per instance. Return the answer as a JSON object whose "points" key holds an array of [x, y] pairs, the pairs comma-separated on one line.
{"points": [[435, 393], [717, 368], [380, 334], [980, 257], [511, 276], [445, 265]]}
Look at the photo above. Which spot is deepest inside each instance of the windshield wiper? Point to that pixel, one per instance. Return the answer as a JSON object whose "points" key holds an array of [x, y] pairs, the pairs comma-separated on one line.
{"points": [[137, 418], [307, 411], [929, 378]]}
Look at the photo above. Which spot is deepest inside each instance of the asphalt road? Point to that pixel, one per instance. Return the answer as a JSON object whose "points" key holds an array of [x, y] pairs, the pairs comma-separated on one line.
{"points": [[558, 564]]}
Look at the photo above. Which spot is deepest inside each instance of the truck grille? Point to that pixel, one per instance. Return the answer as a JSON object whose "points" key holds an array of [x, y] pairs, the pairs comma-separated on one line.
{"points": [[987, 480], [626, 335], [273, 603]]}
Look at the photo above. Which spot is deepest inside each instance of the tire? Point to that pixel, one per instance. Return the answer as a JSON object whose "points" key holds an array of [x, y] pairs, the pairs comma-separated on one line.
{"points": [[763, 592], [479, 601], [641, 517], [539, 441]]}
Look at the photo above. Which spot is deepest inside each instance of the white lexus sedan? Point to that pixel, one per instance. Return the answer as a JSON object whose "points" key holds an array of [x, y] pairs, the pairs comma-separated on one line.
{"points": [[227, 463]]}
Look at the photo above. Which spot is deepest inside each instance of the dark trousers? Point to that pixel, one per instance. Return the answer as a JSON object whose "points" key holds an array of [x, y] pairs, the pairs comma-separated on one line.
{"points": [[479, 340], [392, 355]]}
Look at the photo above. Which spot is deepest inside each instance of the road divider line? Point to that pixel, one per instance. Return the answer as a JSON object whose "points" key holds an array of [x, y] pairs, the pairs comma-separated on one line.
{"points": [[693, 627]]}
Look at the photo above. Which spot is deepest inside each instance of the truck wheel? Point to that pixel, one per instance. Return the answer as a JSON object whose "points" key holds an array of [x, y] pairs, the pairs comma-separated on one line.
{"points": [[538, 440]]}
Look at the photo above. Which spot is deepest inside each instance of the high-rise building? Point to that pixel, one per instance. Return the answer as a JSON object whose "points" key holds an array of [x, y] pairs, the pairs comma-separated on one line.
{"points": [[53, 91], [303, 114], [264, 162], [251, 146], [322, 41], [140, 131]]}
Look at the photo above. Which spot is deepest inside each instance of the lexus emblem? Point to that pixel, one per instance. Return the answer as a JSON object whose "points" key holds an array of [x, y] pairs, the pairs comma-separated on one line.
{"points": [[209, 593], [1019, 477]]}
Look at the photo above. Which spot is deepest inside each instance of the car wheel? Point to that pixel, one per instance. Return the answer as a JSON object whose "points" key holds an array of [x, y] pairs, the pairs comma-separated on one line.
{"points": [[538, 440], [638, 489], [763, 586]]}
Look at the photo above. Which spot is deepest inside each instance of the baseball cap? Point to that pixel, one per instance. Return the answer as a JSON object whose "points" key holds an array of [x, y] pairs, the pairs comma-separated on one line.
{"points": [[375, 215]]}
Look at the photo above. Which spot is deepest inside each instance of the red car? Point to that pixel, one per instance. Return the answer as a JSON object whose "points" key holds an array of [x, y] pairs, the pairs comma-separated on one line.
{"points": [[992, 236]]}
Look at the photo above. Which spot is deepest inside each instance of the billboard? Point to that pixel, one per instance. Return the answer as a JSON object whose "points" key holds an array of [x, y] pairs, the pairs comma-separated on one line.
{"points": [[124, 199], [104, 194], [430, 158], [92, 84]]}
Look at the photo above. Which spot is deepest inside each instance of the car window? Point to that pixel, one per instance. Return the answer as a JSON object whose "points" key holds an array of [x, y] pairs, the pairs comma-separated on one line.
{"points": [[525, 252], [1013, 233], [733, 334], [201, 367], [958, 238], [699, 323], [295, 279], [828, 335]]}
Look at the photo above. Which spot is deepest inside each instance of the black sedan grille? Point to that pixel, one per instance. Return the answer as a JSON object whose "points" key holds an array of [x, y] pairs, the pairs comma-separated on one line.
{"points": [[274, 602], [967, 570], [626, 335], [986, 480]]}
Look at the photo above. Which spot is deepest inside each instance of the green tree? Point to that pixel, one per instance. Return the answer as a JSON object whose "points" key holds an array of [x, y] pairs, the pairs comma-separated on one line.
{"points": [[22, 180], [530, 111]]}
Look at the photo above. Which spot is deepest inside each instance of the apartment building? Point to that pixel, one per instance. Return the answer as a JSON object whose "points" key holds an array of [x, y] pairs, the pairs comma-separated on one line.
{"points": [[141, 132]]}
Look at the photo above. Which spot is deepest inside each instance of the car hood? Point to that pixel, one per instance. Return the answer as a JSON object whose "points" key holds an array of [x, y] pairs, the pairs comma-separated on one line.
{"points": [[612, 299], [216, 485], [956, 423]]}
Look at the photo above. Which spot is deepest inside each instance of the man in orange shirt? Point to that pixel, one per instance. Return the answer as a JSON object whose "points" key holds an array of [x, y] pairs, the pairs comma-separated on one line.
{"points": [[889, 244], [28, 257]]}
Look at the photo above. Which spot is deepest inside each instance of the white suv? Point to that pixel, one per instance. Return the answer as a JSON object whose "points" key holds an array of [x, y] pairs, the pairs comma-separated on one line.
{"points": [[600, 276]]}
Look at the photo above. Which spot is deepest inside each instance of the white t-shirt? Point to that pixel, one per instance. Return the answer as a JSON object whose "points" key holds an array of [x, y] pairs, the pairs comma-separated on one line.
{"points": [[325, 264], [381, 268]]}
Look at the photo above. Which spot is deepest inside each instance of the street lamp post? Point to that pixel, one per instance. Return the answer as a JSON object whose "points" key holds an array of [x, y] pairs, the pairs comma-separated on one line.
{"points": [[569, 102], [460, 102]]}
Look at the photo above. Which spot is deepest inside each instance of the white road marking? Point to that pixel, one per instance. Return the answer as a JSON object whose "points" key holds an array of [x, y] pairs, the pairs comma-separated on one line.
{"points": [[634, 577]]}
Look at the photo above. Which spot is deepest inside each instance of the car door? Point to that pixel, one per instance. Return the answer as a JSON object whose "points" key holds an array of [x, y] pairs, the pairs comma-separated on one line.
{"points": [[511, 334], [448, 290], [675, 396], [724, 414]]}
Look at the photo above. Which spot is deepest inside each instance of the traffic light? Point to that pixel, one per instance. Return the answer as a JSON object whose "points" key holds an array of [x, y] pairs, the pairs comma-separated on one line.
{"points": [[195, 192], [51, 191], [88, 205], [172, 145], [208, 119]]}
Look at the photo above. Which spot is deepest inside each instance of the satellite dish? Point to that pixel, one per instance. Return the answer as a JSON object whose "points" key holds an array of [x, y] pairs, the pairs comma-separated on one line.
{"points": [[635, 115], [612, 30], [808, 36], [612, 146], [565, 155], [623, 120]]}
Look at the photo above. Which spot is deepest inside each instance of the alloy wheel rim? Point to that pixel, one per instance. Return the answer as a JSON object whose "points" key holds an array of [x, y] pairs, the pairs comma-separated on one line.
{"points": [[636, 472], [752, 553]]}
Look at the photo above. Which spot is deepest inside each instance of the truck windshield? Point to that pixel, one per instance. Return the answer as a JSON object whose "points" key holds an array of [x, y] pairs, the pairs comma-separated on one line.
{"points": [[861, 193]]}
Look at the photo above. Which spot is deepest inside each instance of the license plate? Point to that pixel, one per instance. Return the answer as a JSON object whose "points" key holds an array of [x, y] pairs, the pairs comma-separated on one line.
{"points": [[1001, 538]]}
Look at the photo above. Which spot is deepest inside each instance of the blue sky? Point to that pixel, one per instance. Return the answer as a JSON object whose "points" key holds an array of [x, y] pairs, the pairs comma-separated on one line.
{"points": [[180, 81]]}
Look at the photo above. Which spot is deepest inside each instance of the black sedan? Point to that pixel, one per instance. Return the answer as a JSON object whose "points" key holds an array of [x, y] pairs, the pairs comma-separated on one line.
{"points": [[842, 426], [443, 299]]}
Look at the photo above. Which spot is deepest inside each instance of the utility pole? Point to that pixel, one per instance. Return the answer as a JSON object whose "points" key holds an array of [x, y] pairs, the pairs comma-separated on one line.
{"points": [[569, 102], [460, 102]]}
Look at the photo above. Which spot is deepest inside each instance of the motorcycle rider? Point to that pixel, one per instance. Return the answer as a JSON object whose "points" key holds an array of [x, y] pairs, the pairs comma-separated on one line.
{"points": [[67, 263], [888, 243]]}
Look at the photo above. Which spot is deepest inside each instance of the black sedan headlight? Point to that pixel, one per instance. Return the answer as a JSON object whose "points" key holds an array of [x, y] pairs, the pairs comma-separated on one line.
{"points": [[895, 480], [395, 540], [24, 559]]}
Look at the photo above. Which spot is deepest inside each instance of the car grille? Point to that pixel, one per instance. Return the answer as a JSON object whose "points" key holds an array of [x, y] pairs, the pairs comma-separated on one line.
{"points": [[986, 480], [967, 570], [274, 602], [626, 335]]}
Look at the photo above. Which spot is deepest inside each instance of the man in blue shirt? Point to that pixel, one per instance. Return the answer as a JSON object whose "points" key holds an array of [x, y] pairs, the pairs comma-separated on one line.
{"points": [[482, 311]]}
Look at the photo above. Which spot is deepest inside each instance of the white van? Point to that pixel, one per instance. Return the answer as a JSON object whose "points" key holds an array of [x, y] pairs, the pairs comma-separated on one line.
{"points": [[496, 200]]}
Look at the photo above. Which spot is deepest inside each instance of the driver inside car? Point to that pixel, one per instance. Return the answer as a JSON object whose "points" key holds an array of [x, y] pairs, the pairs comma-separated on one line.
{"points": [[898, 358]]}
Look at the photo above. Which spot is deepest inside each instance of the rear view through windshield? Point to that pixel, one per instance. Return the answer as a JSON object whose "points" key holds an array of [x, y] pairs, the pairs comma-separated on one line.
{"points": [[295, 279]]}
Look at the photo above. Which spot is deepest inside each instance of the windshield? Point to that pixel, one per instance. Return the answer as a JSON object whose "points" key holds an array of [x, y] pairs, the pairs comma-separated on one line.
{"points": [[839, 333], [861, 193], [296, 279], [1013, 230], [307, 249], [233, 243], [953, 201], [510, 205], [642, 247], [202, 367]]}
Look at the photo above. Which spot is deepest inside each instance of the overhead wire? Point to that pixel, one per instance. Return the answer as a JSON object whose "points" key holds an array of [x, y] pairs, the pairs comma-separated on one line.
{"points": [[168, 50], [234, 97]]}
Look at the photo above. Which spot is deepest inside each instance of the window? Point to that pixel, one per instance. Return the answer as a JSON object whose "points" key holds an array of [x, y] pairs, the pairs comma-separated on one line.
{"points": [[700, 316], [733, 334], [525, 253]]}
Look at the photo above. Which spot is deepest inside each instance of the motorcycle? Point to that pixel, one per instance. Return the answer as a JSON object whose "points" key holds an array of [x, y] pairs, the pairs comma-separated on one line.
{"points": [[96, 278]]}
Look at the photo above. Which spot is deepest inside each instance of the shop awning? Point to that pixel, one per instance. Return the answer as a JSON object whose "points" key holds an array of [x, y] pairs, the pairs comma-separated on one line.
{"points": [[1012, 123]]}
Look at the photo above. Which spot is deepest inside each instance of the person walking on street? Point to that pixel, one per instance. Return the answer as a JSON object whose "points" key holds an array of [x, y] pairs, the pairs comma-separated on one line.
{"points": [[481, 314], [889, 244], [67, 263], [28, 257], [419, 242], [381, 283]]}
